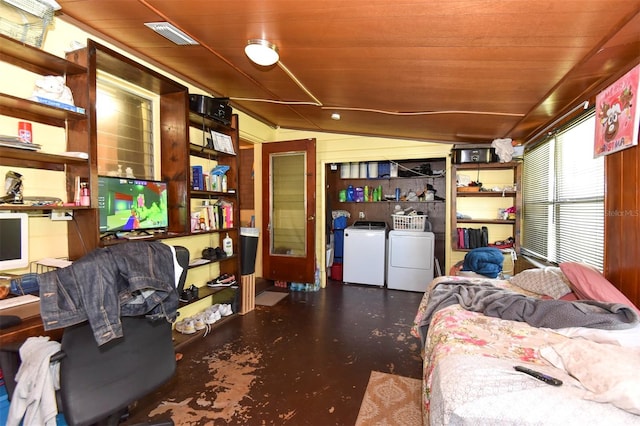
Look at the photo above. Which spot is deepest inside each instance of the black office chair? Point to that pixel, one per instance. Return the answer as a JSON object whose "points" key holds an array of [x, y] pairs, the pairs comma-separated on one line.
{"points": [[98, 383]]}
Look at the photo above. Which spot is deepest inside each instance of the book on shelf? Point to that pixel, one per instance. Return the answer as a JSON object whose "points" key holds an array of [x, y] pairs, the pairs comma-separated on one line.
{"points": [[58, 104], [197, 178], [213, 217]]}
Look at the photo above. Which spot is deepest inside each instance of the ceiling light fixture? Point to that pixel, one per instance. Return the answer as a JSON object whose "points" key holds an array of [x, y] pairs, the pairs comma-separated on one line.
{"points": [[335, 116], [172, 33], [262, 52]]}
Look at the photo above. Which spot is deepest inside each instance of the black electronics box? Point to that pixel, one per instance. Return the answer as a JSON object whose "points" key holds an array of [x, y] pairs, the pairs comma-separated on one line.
{"points": [[214, 108], [473, 154]]}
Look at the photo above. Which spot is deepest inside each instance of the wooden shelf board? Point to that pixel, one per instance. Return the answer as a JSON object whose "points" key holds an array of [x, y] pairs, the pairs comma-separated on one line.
{"points": [[505, 194], [489, 221]]}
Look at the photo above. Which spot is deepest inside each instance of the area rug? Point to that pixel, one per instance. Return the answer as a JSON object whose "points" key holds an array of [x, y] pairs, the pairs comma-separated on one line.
{"points": [[390, 400], [270, 298]]}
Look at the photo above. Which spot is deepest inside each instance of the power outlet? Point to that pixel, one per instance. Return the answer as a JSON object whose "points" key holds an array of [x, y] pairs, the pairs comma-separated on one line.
{"points": [[361, 215], [62, 215]]}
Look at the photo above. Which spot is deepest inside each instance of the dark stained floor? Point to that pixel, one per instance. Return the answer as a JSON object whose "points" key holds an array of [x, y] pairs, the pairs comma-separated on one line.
{"points": [[304, 361]]}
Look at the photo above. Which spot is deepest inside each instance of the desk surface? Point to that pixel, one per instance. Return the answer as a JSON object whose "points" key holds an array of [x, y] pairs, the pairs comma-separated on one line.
{"points": [[30, 327]]}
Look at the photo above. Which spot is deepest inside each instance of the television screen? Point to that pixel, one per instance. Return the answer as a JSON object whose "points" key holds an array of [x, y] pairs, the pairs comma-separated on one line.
{"points": [[127, 205], [14, 241]]}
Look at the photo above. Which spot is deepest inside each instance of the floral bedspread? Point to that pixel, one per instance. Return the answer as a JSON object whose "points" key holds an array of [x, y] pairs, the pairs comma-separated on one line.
{"points": [[461, 341]]}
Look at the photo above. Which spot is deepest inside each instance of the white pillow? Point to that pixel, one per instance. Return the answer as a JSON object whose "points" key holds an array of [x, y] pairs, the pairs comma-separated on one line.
{"points": [[629, 337], [549, 281], [610, 372]]}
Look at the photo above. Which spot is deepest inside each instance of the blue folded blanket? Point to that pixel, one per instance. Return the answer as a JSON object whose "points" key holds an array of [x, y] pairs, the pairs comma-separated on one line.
{"points": [[486, 261]]}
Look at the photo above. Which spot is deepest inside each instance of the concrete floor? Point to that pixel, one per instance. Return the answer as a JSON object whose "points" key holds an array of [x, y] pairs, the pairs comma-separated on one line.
{"points": [[304, 361]]}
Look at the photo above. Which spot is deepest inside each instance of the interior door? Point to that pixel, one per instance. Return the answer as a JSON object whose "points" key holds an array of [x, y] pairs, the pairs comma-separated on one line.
{"points": [[289, 206]]}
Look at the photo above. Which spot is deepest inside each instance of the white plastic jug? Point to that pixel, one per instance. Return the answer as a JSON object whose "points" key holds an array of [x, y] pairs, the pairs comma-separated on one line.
{"points": [[227, 245]]}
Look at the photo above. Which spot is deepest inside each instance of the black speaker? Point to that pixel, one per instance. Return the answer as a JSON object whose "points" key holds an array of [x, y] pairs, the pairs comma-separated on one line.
{"points": [[214, 108]]}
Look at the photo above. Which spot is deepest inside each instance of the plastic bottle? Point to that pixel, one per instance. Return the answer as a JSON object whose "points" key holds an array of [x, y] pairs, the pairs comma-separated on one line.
{"points": [[227, 245], [350, 193], [85, 197], [224, 183]]}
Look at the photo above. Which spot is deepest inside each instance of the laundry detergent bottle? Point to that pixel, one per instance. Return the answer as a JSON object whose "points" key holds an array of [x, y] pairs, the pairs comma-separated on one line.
{"points": [[227, 245]]}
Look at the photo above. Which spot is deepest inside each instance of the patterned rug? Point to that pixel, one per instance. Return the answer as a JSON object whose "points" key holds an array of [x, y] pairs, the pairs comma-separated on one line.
{"points": [[390, 400]]}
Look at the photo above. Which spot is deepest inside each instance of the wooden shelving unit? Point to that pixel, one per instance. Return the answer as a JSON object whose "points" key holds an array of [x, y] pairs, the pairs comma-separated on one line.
{"points": [[514, 197]]}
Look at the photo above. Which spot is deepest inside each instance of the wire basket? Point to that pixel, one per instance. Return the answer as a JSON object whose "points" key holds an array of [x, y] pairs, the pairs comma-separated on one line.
{"points": [[25, 20], [409, 223]]}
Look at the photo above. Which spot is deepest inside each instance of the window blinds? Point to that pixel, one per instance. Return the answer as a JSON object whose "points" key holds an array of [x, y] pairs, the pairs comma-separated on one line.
{"points": [[579, 196], [563, 197], [537, 199]]}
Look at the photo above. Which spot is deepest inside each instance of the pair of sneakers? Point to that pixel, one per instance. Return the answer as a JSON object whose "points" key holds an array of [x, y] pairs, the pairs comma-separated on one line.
{"points": [[223, 308], [224, 280], [204, 319], [191, 325]]}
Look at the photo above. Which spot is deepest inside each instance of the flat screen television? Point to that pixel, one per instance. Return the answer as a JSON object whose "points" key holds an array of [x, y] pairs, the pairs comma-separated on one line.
{"points": [[14, 241], [131, 205]]}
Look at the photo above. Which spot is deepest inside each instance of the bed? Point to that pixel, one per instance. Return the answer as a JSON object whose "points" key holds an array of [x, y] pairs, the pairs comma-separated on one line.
{"points": [[475, 330]]}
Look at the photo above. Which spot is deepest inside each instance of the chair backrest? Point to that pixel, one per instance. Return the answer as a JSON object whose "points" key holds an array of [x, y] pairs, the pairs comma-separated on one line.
{"points": [[98, 381]]}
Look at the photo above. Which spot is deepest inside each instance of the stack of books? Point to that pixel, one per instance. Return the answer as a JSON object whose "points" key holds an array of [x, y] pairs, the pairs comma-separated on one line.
{"points": [[15, 142], [212, 217]]}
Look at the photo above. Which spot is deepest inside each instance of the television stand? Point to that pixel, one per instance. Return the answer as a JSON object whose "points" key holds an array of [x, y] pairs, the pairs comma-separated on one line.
{"points": [[138, 235]]}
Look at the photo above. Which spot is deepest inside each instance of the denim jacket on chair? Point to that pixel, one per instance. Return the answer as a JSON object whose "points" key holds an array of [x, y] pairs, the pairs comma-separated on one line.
{"points": [[130, 279]]}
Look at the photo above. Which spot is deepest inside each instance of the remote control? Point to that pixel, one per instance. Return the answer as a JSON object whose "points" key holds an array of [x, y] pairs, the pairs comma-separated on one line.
{"points": [[538, 375]]}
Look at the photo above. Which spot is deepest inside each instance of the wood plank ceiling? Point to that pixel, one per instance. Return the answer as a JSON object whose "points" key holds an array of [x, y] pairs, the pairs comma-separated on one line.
{"points": [[449, 70]]}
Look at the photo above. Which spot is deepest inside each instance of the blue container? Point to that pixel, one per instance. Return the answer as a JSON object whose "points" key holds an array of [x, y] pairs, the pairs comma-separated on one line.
{"points": [[384, 169], [340, 222], [338, 245]]}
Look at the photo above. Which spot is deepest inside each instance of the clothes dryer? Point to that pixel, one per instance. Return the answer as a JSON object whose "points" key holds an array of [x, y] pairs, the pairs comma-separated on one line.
{"points": [[410, 260]]}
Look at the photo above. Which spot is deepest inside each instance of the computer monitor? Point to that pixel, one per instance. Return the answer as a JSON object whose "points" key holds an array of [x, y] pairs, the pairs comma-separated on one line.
{"points": [[127, 204], [14, 241]]}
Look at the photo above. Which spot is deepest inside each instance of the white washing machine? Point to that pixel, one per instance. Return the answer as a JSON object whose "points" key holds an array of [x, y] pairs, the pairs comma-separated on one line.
{"points": [[365, 246], [410, 260]]}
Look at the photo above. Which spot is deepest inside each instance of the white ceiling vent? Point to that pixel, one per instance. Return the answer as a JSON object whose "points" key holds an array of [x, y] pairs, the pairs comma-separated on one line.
{"points": [[170, 32]]}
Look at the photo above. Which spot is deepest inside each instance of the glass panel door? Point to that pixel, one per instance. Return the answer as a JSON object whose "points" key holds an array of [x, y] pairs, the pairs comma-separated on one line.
{"points": [[288, 204]]}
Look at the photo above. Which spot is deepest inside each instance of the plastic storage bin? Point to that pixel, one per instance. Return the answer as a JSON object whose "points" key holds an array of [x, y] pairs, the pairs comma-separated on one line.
{"points": [[249, 240]]}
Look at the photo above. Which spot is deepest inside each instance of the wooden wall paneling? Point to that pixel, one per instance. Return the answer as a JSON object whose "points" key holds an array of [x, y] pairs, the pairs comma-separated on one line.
{"points": [[622, 222], [247, 199]]}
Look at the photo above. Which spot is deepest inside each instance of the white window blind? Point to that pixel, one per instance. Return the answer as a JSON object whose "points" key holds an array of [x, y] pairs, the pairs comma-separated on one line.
{"points": [[563, 193], [537, 180]]}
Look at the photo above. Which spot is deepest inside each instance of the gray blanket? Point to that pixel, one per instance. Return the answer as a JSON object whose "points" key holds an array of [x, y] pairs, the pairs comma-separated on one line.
{"points": [[505, 304]]}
